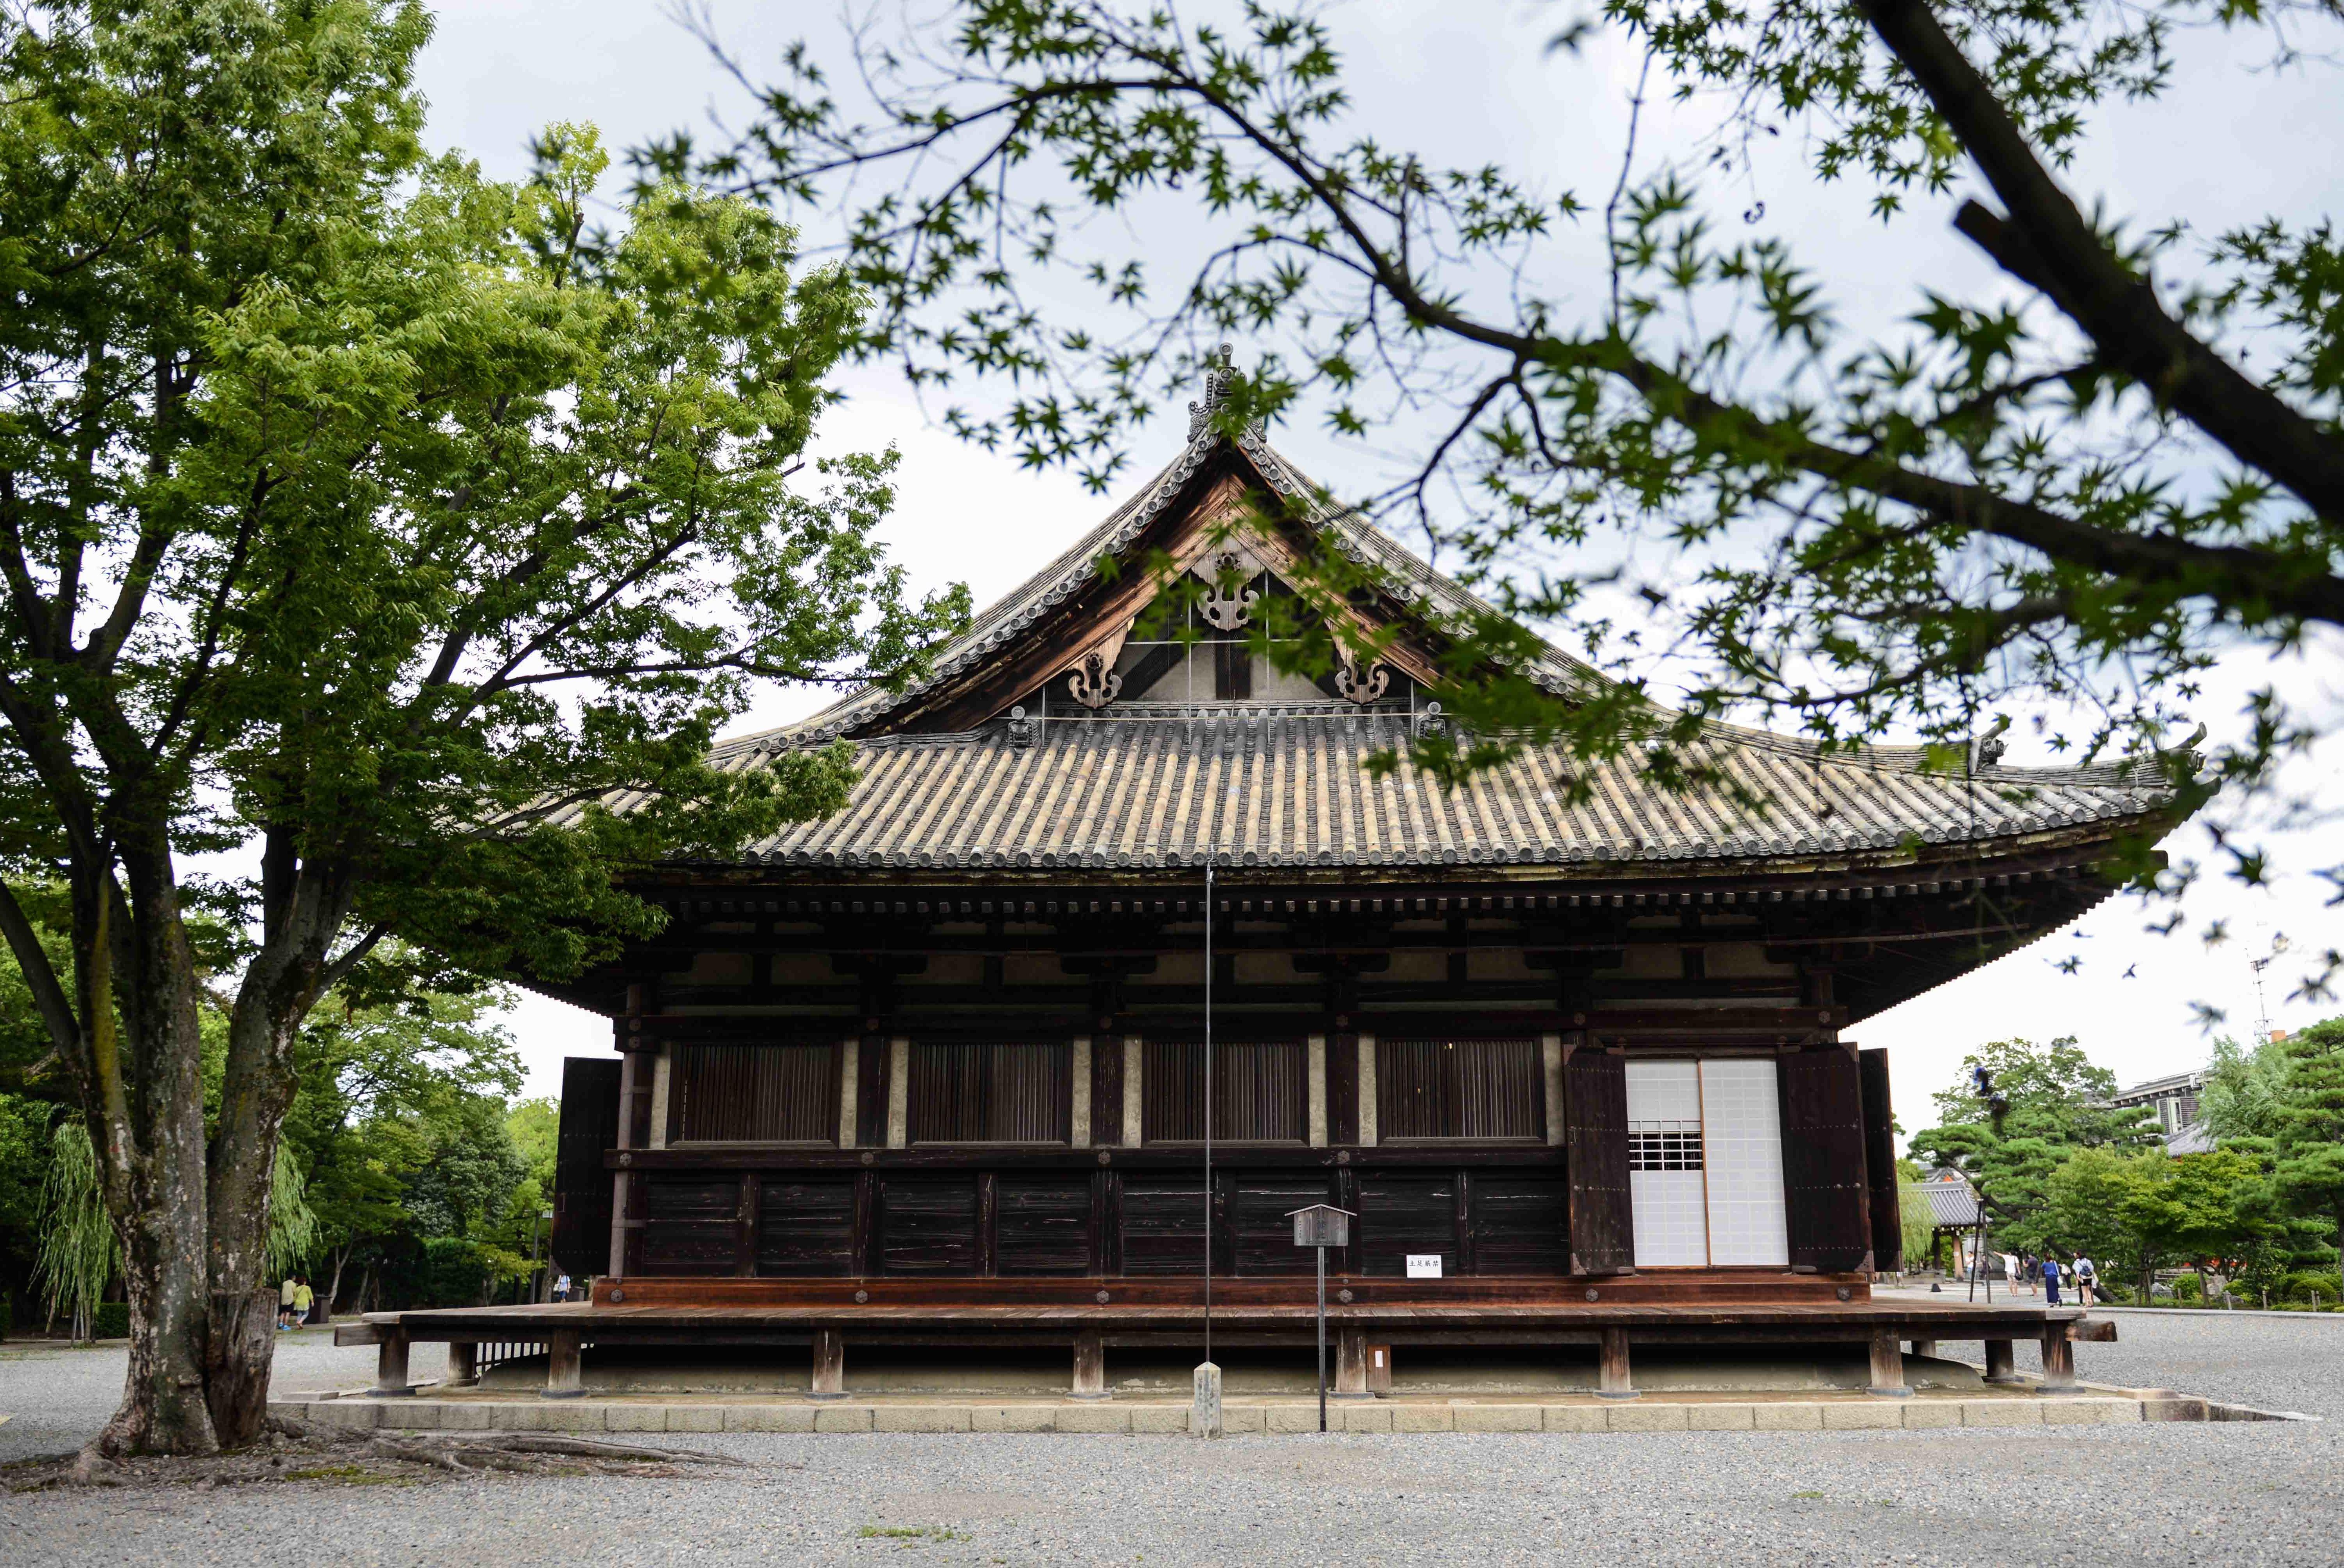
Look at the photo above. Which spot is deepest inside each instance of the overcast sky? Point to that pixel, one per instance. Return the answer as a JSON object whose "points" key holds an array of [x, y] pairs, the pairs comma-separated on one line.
{"points": [[1463, 84]]}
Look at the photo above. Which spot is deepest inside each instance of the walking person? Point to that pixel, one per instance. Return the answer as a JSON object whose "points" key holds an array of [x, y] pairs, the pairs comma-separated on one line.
{"points": [[2050, 1281], [304, 1299], [2087, 1277], [284, 1303]]}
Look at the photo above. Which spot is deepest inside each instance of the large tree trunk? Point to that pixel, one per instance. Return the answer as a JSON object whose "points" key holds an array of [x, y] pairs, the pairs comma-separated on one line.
{"points": [[143, 1085], [255, 1090]]}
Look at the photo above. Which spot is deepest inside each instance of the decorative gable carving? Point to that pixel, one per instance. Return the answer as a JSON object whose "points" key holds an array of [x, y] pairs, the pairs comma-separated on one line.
{"points": [[1229, 569], [1361, 683], [1094, 682]]}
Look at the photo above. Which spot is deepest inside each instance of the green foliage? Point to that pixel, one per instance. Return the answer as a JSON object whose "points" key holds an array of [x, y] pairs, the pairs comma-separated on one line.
{"points": [[369, 525], [2308, 1140], [2065, 495], [2312, 1290], [111, 1321], [78, 1254], [292, 1224], [2244, 1090], [2053, 1094]]}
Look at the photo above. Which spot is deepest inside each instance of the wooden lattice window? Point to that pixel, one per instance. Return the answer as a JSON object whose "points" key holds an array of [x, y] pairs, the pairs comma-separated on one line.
{"points": [[1479, 1089], [1260, 1092], [995, 1092], [753, 1093]]}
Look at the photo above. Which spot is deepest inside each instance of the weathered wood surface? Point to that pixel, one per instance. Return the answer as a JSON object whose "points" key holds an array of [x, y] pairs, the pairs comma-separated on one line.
{"points": [[1734, 1286], [1835, 1322], [1824, 1185], [1602, 1224], [582, 1182]]}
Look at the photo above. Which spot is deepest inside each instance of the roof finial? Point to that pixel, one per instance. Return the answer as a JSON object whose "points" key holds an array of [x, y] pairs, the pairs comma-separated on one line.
{"points": [[1218, 374]]}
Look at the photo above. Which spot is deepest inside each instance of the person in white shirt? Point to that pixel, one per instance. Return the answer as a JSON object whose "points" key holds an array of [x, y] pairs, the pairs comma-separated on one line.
{"points": [[2086, 1278]]}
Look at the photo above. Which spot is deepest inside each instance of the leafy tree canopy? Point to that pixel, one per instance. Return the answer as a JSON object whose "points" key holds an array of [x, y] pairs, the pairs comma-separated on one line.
{"points": [[2073, 489], [371, 522]]}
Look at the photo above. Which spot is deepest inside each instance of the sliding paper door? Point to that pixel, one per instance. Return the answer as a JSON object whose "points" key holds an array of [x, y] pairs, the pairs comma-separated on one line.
{"points": [[1742, 1136]]}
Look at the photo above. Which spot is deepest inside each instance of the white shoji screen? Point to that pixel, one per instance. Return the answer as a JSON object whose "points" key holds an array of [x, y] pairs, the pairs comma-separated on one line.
{"points": [[1742, 1117], [1664, 1164]]}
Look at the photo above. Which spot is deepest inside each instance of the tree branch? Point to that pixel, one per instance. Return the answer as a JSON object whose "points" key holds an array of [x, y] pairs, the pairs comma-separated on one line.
{"points": [[2057, 251]]}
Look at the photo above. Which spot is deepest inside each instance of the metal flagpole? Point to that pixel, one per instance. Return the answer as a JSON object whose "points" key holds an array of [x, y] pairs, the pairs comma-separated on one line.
{"points": [[1209, 1100]]}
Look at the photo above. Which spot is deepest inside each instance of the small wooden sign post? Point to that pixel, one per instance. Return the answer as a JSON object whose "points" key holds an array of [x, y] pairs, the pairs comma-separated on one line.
{"points": [[1320, 1226]]}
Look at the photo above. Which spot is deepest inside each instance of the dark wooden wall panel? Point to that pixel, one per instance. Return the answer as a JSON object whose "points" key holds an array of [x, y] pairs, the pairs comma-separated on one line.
{"points": [[1823, 1161], [1043, 1225], [806, 1229], [753, 1093], [1602, 1229], [693, 1224], [1492, 1089], [993, 1093], [1260, 1092], [927, 1226], [1522, 1224], [1880, 1162], [1262, 1236], [1403, 1214], [1162, 1224], [581, 1184]]}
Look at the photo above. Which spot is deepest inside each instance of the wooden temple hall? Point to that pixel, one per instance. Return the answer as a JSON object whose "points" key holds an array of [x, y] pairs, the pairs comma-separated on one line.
{"points": [[931, 1072]]}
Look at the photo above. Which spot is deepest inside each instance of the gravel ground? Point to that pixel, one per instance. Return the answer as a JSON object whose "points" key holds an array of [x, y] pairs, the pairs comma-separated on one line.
{"points": [[2261, 1493]]}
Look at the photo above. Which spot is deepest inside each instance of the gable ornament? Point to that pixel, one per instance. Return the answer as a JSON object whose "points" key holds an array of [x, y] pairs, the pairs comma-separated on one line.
{"points": [[1093, 683], [1361, 682], [1231, 609]]}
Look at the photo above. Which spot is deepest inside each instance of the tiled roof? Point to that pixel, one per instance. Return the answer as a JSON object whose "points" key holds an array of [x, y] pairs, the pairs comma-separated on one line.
{"points": [[1288, 786], [1139, 785]]}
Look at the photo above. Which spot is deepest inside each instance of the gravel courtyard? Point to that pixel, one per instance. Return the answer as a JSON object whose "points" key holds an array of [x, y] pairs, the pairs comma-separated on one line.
{"points": [[2261, 1493]]}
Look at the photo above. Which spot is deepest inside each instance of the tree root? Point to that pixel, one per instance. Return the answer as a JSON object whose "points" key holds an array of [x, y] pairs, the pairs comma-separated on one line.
{"points": [[312, 1450]]}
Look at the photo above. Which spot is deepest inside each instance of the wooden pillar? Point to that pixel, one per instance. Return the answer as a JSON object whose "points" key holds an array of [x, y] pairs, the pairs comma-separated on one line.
{"points": [[563, 1378], [2001, 1365], [391, 1366], [1090, 1365], [463, 1364], [1612, 1379], [829, 1365], [1887, 1364], [1352, 1364], [1925, 1347], [1380, 1370], [2059, 1361]]}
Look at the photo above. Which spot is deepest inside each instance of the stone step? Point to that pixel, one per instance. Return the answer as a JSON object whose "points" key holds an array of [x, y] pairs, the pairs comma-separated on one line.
{"points": [[913, 1415]]}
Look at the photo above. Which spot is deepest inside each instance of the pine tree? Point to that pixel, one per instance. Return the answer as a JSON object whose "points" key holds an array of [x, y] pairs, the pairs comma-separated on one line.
{"points": [[2310, 1146]]}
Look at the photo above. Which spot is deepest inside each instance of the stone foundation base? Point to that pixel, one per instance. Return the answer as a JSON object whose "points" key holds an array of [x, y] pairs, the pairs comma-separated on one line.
{"points": [[923, 1416]]}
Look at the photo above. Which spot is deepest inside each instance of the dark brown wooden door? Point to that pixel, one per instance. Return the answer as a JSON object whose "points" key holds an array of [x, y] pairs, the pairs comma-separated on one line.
{"points": [[1595, 1144], [1823, 1161], [581, 1185], [1880, 1162]]}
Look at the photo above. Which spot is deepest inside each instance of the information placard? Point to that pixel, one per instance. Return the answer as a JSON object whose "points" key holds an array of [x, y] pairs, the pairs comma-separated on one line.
{"points": [[1424, 1265]]}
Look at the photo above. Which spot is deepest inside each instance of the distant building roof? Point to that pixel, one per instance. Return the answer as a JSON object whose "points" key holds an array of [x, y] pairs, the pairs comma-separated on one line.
{"points": [[2166, 1088], [1951, 1199], [2195, 1139]]}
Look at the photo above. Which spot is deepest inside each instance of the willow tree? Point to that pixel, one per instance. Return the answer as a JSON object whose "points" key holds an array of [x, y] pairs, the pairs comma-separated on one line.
{"points": [[366, 522], [2072, 490]]}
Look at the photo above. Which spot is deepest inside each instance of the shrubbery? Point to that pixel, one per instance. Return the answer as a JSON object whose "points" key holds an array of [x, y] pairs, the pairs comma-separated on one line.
{"points": [[111, 1321], [2306, 1288]]}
